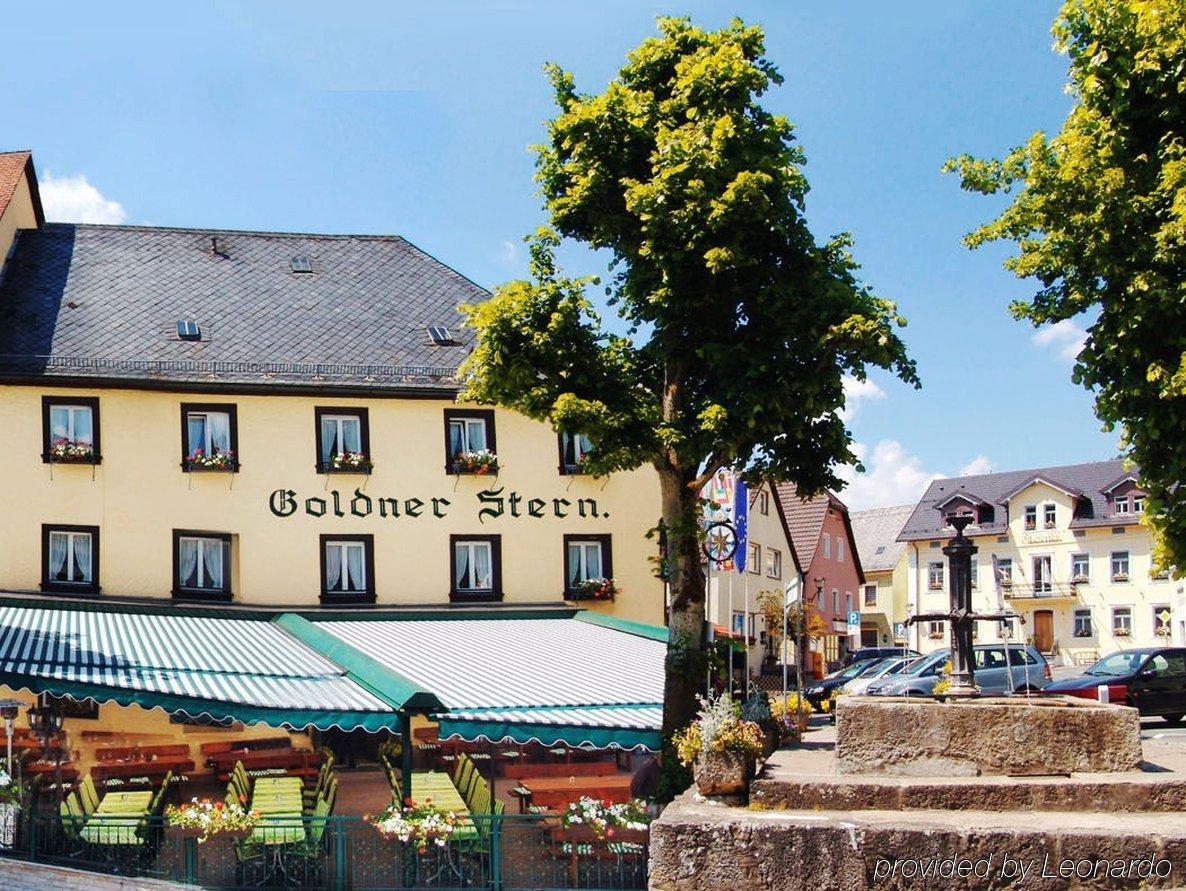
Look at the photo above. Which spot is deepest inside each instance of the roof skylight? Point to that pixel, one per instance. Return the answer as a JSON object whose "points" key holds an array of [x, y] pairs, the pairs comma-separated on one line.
{"points": [[187, 329]]}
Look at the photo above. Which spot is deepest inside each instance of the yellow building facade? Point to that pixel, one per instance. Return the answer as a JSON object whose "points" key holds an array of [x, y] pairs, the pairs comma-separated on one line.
{"points": [[883, 599]]}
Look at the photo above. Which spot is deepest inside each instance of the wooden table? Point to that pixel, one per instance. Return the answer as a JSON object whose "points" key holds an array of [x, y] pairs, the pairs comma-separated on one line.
{"points": [[117, 819], [278, 795], [557, 791]]}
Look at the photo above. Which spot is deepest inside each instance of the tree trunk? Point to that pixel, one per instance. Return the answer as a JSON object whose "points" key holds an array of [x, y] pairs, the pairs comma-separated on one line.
{"points": [[686, 662]]}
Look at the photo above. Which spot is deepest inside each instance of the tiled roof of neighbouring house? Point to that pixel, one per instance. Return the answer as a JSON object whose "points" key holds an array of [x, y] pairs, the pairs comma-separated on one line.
{"points": [[876, 532], [12, 166], [94, 301], [805, 522], [1085, 482]]}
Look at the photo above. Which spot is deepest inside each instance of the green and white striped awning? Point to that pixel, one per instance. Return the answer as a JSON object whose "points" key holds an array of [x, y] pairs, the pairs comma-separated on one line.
{"points": [[241, 668], [580, 680]]}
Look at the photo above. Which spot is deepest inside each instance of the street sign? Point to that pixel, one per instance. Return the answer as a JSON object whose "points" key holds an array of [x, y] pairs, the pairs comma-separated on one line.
{"points": [[854, 622]]}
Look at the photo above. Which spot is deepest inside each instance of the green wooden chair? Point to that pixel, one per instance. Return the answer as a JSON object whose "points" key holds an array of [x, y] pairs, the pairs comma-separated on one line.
{"points": [[88, 795], [73, 819], [157, 804]]}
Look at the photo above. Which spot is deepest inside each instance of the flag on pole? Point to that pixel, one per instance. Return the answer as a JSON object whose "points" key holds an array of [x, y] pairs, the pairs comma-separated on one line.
{"points": [[741, 524]]}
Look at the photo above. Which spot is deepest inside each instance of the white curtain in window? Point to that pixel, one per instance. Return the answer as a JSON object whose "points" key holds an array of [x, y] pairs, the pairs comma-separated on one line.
{"points": [[58, 544], [574, 565], [456, 437], [83, 426], [329, 439], [354, 571], [333, 567], [461, 565], [351, 431], [482, 574], [219, 424], [187, 559], [59, 423], [82, 558], [212, 562]]}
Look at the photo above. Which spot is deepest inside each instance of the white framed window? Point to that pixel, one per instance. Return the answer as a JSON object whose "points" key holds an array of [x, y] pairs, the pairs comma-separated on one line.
{"points": [[839, 550], [773, 563], [467, 435], [70, 557], [827, 546], [1138, 504], [753, 558], [72, 425], [473, 566], [202, 562], [1120, 505], [738, 627], [870, 595], [1049, 515], [586, 561], [1083, 626], [1031, 517], [1122, 621], [1120, 566], [345, 567], [1005, 572], [1081, 567], [1043, 574], [935, 572], [764, 502], [208, 432], [1162, 618], [340, 435]]}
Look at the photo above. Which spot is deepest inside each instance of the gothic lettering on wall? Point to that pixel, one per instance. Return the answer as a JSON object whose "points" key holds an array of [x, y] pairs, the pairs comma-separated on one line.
{"points": [[490, 504]]}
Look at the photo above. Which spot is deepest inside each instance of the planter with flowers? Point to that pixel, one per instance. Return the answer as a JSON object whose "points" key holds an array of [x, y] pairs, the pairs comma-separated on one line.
{"points": [[12, 794], [591, 820], [419, 825], [202, 818], [348, 462], [67, 451], [1120, 576], [198, 461], [721, 748], [793, 714], [478, 463], [593, 589], [1120, 632]]}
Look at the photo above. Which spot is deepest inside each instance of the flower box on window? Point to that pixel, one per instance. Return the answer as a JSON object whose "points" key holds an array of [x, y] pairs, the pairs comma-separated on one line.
{"points": [[199, 461], [65, 451], [593, 589], [1120, 632], [1120, 576], [1031, 525], [936, 635], [348, 462], [578, 467], [477, 463], [1080, 579], [1049, 524], [1006, 584], [1083, 633]]}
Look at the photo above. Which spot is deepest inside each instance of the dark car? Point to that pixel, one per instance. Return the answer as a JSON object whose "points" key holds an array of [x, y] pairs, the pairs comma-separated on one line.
{"points": [[1152, 680], [817, 692], [864, 653]]}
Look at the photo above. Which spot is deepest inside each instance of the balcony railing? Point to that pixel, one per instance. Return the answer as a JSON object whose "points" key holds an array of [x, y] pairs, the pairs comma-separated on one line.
{"points": [[1046, 589]]}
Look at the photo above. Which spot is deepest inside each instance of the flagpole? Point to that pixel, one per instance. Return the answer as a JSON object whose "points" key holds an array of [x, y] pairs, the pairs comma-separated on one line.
{"points": [[730, 634], [745, 632]]}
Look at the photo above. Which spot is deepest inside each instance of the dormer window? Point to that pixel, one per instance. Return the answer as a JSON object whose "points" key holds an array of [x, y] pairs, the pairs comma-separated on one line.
{"points": [[1138, 504], [1120, 505]]}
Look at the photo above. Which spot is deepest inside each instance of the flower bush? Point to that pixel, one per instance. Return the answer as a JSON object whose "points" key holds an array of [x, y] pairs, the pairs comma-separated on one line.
{"points": [[481, 461], [349, 461], [71, 450], [417, 824], [594, 589], [209, 818], [605, 819], [718, 728], [11, 792], [212, 461]]}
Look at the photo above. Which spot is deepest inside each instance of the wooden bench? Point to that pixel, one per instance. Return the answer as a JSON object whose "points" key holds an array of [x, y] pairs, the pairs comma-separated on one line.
{"points": [[528, 771], [245, 745], [128, 753]]}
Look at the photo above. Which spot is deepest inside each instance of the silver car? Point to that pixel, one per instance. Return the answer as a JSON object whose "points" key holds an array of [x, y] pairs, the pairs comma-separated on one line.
{"points": [[883, 669], [1022, 670]]}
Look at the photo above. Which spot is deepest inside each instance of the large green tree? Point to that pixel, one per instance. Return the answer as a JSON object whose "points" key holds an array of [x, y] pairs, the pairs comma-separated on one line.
{"points": [[1099, 217], [740, 327]]}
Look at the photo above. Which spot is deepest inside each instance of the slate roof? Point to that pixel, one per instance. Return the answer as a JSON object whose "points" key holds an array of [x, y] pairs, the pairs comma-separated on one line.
{"points": [[879, 529], [95, 301], [1089, 479]]}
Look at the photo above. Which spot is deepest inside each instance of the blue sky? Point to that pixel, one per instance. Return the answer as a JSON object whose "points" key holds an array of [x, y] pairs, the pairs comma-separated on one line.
{"points": [[415, 119]]}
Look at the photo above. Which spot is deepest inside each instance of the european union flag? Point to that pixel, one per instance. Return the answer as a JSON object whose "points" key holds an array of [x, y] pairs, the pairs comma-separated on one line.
{"points": [[741, 523]]}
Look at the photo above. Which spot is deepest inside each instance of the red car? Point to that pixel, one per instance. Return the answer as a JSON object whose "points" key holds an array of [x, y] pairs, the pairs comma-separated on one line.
{"points": [[1151, 680]]}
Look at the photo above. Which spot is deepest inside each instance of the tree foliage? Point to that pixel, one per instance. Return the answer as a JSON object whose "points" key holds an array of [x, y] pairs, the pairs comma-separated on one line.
{"points": [[1099, 218], [740, 327]]}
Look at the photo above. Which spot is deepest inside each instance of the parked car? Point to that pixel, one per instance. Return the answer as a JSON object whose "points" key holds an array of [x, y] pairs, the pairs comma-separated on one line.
{"points": [[881, 668], [819, 691], [860, 655], [1023, 669], [1152, 680]]}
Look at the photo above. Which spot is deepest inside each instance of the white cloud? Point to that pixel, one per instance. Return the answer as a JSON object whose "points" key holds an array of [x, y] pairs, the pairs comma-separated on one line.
{"points": [[1064, 337], [508, 253], [894, 476], [978, 465], [71, 199], [856, 392]]}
